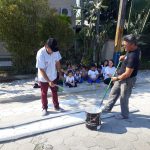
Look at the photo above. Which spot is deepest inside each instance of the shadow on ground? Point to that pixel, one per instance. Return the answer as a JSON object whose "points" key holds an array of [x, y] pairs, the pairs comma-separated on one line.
{"points": [[21, 99], [120, 126]]}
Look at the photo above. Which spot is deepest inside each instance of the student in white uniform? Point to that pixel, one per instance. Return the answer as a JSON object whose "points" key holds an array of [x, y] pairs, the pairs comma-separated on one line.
{"points": [[93, 75], [109, 72], [103, 67], [47, 62], [70, 80]]}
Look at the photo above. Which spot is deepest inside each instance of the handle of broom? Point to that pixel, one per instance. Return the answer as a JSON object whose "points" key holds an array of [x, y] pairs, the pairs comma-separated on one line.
{"points": [[110, 83], [59, 86]]}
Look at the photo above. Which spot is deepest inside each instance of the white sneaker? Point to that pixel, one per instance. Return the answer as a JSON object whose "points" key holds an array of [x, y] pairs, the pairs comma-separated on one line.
{"points": [[44, 112]]}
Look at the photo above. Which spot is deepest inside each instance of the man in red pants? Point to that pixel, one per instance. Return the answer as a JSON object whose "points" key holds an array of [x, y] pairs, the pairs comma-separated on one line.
{"points": [[47, 62]]}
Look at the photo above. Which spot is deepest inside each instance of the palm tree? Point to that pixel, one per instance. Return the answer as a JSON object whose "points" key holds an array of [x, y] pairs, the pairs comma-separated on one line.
{"points": [[139, 12]]}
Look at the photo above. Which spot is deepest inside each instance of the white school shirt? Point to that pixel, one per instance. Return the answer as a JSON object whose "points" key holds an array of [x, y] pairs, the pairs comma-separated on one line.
{"points": [[109, 70], [93, 74], [70, 79], [48, 63], [77, 75], [103, 70]]}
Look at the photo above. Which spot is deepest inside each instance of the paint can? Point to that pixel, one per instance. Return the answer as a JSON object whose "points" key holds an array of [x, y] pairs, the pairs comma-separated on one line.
{"points": [[93, 119]]}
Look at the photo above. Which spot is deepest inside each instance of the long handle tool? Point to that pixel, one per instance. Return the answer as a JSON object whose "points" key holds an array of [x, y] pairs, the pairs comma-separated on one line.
{"points": [[109, 84]]}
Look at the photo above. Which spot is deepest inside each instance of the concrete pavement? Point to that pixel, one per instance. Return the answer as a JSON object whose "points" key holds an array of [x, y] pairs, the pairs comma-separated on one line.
{"points": [[133, 133]]}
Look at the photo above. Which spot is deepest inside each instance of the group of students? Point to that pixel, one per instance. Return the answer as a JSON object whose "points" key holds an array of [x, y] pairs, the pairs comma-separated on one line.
{"points": [[74, 75], [77, 74], [108, 70]]}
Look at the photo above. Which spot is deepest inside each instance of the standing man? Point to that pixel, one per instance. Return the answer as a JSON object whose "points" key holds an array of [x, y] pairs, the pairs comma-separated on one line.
{"points": [[126, 78], [48, 63]]}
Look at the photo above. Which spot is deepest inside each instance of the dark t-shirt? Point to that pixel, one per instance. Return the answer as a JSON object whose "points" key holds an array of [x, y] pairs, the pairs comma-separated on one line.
{"points": [[132, 60]]}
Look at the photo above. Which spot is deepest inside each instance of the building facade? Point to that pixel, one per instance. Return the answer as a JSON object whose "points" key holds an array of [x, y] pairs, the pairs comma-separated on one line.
{"points": [[64, 7]]}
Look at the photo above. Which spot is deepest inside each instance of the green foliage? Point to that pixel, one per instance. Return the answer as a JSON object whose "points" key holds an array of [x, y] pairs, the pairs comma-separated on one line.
{"points": [[100, 25], [19, 29], [86, 60], [24, 27], [59, 28], [139, 24], [138, 16]]}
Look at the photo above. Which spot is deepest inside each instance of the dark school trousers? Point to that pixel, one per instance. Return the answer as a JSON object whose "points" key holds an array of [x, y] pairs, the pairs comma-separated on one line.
{"points": [[121, 89], [44, 90]]}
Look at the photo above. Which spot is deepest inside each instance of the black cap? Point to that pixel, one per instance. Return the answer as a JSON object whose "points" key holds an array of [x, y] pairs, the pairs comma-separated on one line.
{"points": [[130, 38], [52, 43]]}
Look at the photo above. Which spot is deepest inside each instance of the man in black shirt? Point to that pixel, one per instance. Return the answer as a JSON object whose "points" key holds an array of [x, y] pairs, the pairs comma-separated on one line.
{"points": [[126, 78]]}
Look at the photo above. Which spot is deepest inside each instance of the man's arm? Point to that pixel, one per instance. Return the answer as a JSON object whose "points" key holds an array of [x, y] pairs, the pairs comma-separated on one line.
{"points": [[58, 64], [125, 75], [122, 57]]}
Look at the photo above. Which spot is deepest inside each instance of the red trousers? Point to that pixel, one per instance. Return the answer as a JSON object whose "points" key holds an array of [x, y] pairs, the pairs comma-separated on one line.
{"points": [[44, 90]]}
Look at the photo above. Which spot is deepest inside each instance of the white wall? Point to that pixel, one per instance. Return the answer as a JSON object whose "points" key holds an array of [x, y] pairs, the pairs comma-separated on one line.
{"points": [[108, 50], [62, 3], [59, 4]]}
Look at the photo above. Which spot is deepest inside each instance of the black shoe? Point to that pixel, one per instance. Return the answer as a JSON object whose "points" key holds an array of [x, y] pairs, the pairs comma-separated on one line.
{"points": [[36, 86], [59, 109], [106, 111]]}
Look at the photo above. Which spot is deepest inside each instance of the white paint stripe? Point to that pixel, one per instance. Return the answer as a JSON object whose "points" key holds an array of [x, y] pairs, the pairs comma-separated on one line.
{"points": [[42, 126], [45, 126], [41, 118]]}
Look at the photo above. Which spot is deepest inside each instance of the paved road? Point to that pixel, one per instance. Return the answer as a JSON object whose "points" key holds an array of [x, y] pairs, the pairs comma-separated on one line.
{"points": [[131, 134]]}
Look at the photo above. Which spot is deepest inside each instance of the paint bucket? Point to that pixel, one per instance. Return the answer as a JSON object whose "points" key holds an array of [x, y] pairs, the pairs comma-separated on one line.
{"points": [[93, 120]]}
